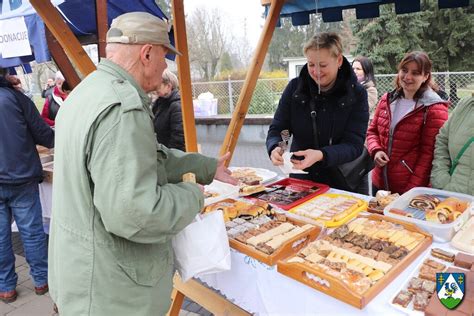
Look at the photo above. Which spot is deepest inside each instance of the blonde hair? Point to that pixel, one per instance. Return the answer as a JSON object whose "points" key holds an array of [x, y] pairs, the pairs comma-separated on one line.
{"points": [[328, 40], [170, 78]]}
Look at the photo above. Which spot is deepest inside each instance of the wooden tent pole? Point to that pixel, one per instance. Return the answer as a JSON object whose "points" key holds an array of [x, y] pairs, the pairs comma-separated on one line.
{"points": [[184, 76], [102, 26], [60, 58], [64, 35], [241, 109]]}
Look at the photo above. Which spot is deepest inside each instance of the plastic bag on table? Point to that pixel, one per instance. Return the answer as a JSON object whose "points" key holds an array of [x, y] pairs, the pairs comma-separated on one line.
{"points": [[202, 247]]}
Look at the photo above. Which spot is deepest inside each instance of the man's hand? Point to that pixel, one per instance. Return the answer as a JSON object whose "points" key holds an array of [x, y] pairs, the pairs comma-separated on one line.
{"points": [[223, 173], [276, 156], [381, 158], [311, 156]]}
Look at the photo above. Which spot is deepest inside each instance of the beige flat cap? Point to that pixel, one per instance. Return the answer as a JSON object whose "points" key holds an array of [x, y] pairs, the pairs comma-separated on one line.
{"points": [[140, 28]]}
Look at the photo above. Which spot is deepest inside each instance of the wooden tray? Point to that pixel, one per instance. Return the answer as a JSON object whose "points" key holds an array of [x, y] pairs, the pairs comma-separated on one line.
{"points": [[291, 247], [337, 288]]}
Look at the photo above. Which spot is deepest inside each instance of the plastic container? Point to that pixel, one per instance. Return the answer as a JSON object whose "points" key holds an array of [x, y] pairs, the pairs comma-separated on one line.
{"points": [[441, 232], [464, 239], [350, 213], [296, 185]]}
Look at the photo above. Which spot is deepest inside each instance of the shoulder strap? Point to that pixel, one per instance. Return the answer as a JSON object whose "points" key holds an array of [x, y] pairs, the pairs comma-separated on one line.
{"points": [[313, 120], [458, 157]]}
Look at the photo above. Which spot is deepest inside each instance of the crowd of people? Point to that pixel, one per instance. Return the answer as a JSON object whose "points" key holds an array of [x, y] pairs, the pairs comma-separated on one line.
{"points": [[118, 194], [326, 109]]}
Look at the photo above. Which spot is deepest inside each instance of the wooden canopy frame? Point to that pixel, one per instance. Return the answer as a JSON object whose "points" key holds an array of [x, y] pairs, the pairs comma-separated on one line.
{"points": [[69, 55]]}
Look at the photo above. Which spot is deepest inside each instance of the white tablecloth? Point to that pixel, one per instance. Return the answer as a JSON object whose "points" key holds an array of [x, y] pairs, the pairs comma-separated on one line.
{"points": [[46, 194], [260, 289]]}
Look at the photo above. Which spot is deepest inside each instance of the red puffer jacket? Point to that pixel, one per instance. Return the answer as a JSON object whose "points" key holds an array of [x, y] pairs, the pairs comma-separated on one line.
{"points": [[411, 144]]}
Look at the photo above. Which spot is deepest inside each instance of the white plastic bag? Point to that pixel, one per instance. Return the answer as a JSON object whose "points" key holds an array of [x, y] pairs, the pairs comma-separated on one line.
{"points": [[202, 247]]}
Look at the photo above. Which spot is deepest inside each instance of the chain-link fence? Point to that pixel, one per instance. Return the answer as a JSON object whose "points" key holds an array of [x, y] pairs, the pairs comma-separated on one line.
{"points": [[456, 85]]}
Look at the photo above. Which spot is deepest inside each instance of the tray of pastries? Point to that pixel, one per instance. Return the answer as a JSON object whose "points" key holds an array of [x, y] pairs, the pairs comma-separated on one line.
{"points": [[329, 209], [381, 200], [269, 238], [356, 261], [290, 192], [252, 176], [415, 294], [236, 208], [442, 213]]}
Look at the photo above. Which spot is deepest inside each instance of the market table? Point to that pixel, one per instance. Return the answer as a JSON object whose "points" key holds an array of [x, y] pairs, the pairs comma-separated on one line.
{"points": [[260, 289]]}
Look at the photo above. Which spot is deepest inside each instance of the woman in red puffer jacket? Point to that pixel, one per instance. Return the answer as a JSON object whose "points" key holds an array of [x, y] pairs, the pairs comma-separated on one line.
{"points": [[402, 134]]}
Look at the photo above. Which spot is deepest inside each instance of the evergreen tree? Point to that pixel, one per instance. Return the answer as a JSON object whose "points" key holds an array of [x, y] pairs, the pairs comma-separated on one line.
{"points": [[386, 39], [445, 35]]}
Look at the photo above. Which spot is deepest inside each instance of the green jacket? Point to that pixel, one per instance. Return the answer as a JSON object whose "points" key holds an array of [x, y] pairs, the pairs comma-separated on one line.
{"points": [[451, 138], [118, 200]]}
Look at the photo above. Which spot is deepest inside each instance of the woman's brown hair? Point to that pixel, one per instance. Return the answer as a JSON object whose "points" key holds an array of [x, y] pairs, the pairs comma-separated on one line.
{"points": [[424, 66]]}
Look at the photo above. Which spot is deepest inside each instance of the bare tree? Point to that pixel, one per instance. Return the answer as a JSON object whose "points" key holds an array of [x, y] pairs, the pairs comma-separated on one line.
{"points": [[208, 40], [241, 48]]}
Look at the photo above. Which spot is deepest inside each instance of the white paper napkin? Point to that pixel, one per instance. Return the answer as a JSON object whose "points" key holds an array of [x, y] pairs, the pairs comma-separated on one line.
{"points": [[287, 167]]}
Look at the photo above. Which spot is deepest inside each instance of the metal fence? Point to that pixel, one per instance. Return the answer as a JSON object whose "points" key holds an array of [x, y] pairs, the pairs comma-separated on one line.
{"points": [[267, 92]]}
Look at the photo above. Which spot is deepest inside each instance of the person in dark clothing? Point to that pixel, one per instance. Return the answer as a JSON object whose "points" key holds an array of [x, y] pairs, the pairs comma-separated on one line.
{"points": [[21, 128], [168, 120], [341, 111]]}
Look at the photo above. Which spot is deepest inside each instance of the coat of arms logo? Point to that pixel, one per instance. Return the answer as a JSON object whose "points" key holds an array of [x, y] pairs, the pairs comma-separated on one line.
{"points": [[450, 288]]}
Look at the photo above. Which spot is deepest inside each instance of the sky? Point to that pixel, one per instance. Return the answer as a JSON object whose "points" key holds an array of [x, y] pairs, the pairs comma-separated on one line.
{"points": [[235, 13]]}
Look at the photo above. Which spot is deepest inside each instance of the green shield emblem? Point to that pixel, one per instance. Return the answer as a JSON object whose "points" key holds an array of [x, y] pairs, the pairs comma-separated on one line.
{"points": [[450, 288]]}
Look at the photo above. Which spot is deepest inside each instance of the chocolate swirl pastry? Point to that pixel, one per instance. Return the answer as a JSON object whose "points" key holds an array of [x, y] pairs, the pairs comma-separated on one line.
{"points": [[424, 202]]}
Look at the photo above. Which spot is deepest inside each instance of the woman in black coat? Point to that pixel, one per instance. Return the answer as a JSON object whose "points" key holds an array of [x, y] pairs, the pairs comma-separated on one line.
{"points": [[341, 112], [168, 120]]}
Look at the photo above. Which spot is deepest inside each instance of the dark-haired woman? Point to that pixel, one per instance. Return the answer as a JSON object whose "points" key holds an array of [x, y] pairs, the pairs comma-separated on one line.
{"points": [[364, 71], [401, 136]]}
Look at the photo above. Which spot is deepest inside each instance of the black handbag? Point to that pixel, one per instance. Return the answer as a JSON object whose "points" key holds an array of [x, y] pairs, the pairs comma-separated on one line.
{"points": [[349, 175]]}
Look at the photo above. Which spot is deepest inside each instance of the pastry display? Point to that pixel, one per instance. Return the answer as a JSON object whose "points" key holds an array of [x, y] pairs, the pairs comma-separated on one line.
{"points": [[381, 200], [362, 252], [328, 208], [403, 298], [265, 234], [422, 286], [424, 202], [432, 208], [247, 176], [246, 190], [288, 192], [240, 209], [442, 254]]}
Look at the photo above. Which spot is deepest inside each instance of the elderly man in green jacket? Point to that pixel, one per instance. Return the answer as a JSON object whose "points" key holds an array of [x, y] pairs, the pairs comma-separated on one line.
{"points": [[118, 198]]}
